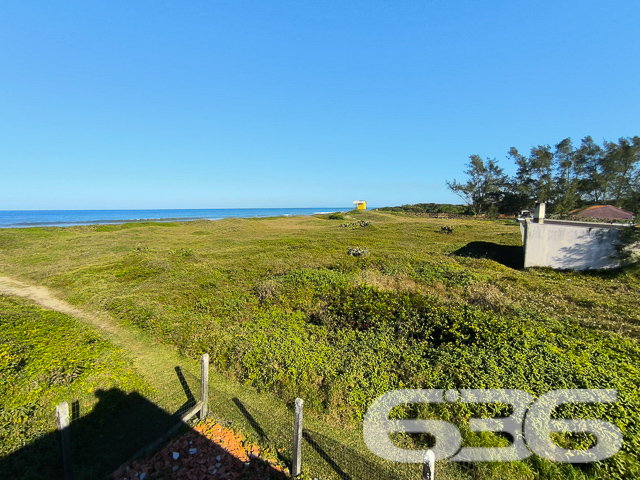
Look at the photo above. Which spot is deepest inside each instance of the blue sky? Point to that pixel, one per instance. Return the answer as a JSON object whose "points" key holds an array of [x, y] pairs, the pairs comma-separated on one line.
{"points": [[214, 104]]}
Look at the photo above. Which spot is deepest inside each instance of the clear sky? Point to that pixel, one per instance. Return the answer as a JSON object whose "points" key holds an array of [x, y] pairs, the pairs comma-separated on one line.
{"points": [[235, 103]]}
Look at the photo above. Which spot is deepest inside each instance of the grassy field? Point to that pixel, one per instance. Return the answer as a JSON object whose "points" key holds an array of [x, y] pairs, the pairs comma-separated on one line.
{"points": [[280, 305]]}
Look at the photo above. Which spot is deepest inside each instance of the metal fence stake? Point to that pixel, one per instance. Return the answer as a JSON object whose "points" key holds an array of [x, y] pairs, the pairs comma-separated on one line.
{"points": [[62, 414], [429, 466], [204, 384], [297, 439]]}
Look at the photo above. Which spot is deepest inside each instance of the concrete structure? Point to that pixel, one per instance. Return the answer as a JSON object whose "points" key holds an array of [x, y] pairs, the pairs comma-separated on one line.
{"points": [[539, 213], [568, 245], [359, 205]]}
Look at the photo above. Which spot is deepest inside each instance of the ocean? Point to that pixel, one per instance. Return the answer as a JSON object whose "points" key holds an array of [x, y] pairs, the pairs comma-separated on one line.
{"points": [[67, 218]]}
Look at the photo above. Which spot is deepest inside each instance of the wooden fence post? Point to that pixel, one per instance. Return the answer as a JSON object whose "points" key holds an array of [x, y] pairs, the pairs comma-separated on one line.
{"points": [[297, 439], [62, 414], [204, 384], [429, 466]]}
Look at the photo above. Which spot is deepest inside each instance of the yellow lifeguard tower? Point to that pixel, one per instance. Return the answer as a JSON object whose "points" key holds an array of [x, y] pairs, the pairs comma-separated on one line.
{"points": [[359, 205]]}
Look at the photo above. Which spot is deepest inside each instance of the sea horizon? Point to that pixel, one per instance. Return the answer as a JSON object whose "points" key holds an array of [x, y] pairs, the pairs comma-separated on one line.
{"points": [[69, 218]]}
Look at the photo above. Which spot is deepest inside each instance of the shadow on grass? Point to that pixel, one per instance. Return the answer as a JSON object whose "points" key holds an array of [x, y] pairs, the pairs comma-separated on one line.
{"points": [[350, 464], [191, 400], [252, 421], [333, 460], [118, 427], [278, 440], [508, 255]]}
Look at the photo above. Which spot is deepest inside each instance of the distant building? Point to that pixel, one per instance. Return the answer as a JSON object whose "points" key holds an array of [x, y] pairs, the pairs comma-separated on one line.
{"points": [[359, 205], [570, 245]]}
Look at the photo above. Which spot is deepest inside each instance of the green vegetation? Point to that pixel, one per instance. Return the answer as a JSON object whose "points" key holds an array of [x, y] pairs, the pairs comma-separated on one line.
{"points": [[565, 177], [628, 247], [47, 358], [281, 306], [430, 208]]}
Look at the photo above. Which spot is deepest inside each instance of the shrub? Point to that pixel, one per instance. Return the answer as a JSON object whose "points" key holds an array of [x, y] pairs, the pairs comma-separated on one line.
{"points": [[357, 251], [449, 274], [628, 246], [358, 224], [183, 252], [366, 342], [138, 267]]}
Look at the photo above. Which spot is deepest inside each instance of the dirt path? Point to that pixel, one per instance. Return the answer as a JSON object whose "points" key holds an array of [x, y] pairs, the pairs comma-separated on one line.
{"points": [[43, 297], [150, 357]]}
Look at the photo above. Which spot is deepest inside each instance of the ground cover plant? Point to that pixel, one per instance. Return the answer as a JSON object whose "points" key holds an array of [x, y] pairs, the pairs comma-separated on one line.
{"points": [[47, 358], [279, 304]]}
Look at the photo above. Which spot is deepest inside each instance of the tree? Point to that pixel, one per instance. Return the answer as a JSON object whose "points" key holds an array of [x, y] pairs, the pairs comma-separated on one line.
{"points": [[564, 178], [592, 184], [634, 202], [541, 165], [534, 180], [484, 187], [566, 183], [520, 193], [620, 165]]}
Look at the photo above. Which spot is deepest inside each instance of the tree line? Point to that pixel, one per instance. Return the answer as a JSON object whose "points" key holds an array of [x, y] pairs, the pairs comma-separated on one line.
{"points": [[429, 208], [566, 177]]}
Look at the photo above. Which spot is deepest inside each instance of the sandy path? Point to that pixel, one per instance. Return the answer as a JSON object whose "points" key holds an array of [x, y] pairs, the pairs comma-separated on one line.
{"points": [[152, 358], [43, 297]]}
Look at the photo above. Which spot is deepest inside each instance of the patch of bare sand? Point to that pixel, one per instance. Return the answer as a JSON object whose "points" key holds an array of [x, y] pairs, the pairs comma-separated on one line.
{"points": [[43, 297]]}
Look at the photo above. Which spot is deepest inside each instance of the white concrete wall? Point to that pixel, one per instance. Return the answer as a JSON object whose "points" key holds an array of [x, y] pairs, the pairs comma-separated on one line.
{"points": [[568, 246]]}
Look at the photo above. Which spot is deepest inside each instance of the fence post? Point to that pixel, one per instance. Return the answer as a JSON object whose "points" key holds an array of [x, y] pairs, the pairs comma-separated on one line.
{"points": [[297, 439], [429, 466], [204, 384], [62, 414]]}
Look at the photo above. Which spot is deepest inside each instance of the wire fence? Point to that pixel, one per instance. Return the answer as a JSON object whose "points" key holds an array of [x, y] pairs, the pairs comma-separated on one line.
{"points": [[327, 458], [173, 391], [326, 453], [112, 427]]}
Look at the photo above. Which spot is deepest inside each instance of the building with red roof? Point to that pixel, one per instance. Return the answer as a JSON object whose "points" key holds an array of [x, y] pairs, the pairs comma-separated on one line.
{"points": [[604, 213]]}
